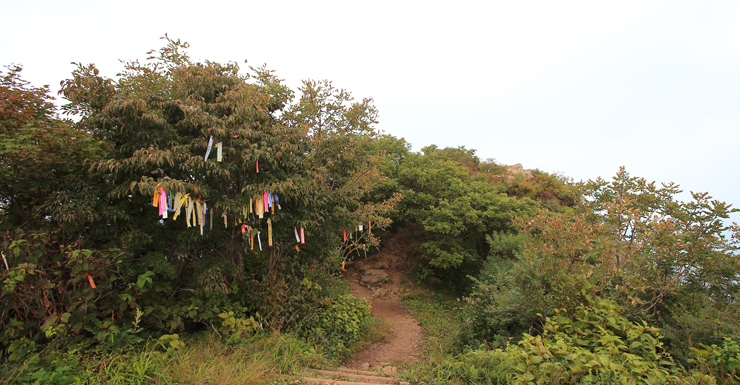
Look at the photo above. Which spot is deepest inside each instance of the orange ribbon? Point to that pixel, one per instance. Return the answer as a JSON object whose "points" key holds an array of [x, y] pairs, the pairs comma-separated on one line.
{"points": [[89, 278]]}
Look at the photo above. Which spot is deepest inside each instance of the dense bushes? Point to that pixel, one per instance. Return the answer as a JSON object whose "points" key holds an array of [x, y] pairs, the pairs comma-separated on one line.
{"points": [[592, 342], [451, 202], [336, 324], [667, 263]]}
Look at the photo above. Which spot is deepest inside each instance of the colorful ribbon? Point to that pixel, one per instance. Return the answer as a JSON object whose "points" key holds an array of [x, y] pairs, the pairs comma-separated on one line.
{"points": [[90, 279], [269, 232], [155, 198], [208, 150], [162, 203], [189, 211], [204, 216]]}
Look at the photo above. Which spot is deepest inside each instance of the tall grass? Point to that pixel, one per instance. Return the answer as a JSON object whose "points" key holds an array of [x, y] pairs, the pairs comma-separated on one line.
{"points": [[205, 359], [441, 323], [440, 320]]}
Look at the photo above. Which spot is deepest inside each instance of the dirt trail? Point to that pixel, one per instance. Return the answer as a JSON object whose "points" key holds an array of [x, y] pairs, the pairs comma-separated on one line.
{"points": [[378, 279]]}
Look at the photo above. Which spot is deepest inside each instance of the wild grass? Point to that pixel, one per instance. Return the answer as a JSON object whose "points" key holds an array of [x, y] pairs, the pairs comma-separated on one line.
{"points": [[377, 329], [205, 359], [441, 323], [440, 320]]}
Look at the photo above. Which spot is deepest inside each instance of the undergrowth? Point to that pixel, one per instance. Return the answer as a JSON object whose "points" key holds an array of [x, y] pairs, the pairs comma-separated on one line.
{"points": [[441, 322], [598, 345], [204, 358]]}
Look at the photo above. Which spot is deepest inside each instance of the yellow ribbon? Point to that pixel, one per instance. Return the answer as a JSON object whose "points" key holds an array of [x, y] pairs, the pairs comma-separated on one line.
{"points": [[189, 212], [183, 201], [176, 205], [269, 232]]}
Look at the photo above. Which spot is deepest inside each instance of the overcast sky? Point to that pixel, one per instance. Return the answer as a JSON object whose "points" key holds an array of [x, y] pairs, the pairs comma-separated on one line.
{"points": [[578, 88]]}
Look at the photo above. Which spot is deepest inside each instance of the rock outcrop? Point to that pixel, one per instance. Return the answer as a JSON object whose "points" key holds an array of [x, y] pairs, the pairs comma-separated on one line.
{"points": [[518, 169]]}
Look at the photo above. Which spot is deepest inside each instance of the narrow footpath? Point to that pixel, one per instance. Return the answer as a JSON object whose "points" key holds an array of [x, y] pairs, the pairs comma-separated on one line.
{"points": [[378, 280]]}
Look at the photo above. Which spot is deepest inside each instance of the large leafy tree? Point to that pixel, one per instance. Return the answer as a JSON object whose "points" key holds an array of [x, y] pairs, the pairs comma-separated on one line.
{"points": [[156, 122], [160, 118]]}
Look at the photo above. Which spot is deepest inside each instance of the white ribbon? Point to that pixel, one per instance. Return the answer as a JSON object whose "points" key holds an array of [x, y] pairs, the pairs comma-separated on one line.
{"points": [[208, 150]]}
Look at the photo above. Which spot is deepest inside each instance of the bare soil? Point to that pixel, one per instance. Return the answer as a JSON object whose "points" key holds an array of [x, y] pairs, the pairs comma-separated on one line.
{"points": [[405, 341]]}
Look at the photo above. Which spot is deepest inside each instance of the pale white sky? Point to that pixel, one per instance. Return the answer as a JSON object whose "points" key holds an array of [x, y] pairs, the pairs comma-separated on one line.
{"points": [[577, 87]]}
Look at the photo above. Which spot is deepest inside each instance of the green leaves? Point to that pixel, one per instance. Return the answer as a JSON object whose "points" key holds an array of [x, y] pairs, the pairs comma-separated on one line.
{"points": [[590, 345], [144, 279], [455, 207], [666, 261], [722, 362]]}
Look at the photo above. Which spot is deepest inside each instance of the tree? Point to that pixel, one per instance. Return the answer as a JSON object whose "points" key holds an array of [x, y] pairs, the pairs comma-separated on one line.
{"points": [[39, 153], [630, 241], [225, 253], [41, 160], [555, 191], [449, 207]]}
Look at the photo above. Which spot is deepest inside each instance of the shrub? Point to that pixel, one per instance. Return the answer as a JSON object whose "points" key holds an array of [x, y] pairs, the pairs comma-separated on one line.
{"points": [[721, 362], [597, 345], [336, 323]]}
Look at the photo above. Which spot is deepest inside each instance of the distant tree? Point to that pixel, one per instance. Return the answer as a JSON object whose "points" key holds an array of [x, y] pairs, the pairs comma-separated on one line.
{"points": [[459, 155], [555, 191], [449, 206]]}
